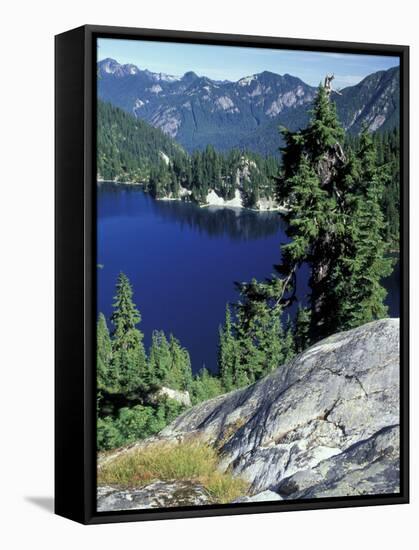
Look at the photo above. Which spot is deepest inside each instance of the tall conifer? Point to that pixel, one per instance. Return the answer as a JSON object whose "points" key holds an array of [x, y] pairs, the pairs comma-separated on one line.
{"points": [[106, 376], [127, 341], [335, 221]]}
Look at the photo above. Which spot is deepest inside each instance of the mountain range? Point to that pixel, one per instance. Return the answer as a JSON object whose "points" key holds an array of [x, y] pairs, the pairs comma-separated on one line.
{"points": [[196, 110]]}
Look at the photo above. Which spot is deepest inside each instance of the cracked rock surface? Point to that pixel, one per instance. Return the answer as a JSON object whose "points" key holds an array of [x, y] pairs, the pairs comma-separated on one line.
{"points": [[337, 393], [367, 467], [325, 424], [160, 494]]}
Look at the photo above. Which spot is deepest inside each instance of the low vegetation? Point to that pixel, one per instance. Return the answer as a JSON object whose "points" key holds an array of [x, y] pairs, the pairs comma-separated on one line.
{"points": [[190, 461]]}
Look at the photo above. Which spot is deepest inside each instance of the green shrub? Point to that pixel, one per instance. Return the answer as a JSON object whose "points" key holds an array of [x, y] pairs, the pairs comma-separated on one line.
{"points": [[205, 386], [134, 423], [108, 436]]}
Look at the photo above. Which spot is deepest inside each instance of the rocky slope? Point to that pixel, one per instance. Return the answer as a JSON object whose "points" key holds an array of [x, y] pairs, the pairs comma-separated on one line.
{"points": [[198, 110], [325, 424], [374, 101]]}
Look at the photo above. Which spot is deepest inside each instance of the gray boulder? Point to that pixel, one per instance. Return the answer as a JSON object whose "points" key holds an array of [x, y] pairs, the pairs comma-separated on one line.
{"points": [[337, 393], [179, 396], [160, 494]]}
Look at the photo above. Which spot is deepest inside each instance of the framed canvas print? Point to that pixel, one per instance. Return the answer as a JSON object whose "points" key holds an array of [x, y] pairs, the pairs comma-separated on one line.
{"points": [[231, 274]]}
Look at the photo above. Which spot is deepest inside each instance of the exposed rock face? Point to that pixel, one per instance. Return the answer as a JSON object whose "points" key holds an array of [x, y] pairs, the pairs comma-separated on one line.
{"points": [[264, 496], [212, 199], [339, 393], [368, 467], [374, 102], [159, 494], [181, 397], [323, 425], [164, 158]]}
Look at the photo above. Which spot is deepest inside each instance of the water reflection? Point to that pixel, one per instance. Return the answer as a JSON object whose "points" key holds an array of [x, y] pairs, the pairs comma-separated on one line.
{"points": [[236, 223]]}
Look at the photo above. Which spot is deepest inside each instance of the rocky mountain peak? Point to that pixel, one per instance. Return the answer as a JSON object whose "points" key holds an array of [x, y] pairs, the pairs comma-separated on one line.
{"points": [[110, 66], [246, 113], [189, 76]]}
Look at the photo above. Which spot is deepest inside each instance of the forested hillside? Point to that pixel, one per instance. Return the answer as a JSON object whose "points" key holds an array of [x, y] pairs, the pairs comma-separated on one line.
{"points": [[387, 147], [128, 148], [133, 151]]}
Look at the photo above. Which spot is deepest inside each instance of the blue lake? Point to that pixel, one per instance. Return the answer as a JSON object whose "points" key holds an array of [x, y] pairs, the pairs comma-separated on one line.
{"points": [[183, 260]]}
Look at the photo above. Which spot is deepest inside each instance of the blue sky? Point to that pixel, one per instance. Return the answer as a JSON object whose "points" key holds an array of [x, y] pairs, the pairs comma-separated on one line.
{"points": [[232, 63]]}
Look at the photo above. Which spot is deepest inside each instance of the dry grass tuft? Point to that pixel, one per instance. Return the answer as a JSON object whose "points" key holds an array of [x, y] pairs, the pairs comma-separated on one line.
{"points": [[187, 461]]}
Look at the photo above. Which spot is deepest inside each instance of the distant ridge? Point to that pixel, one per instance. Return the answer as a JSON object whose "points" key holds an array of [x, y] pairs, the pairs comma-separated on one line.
{"points": [[196, 110]]}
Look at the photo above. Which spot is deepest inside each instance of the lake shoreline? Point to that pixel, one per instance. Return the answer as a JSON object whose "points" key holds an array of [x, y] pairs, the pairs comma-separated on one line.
{"points": [[211, 205]]}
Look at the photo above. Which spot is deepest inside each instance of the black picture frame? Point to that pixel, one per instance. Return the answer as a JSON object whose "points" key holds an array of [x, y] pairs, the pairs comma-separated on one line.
{"points": [[75, 291]]}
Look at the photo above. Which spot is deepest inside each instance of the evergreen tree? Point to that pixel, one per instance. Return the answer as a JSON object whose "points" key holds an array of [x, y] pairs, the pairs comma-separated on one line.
{"points": [[127, 348], [122, 369], [227, 353], [160, 182], [302, 329], [205, 386], [169, 363], [387, 146], [334, 220], [160, 361], [107, 378], [179, 376], [255, 343], [288, 345], [364, 261], [324, 133]]}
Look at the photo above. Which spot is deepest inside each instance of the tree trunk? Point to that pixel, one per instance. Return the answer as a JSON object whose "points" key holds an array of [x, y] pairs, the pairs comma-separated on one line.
{"points": [[321, 308]]}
